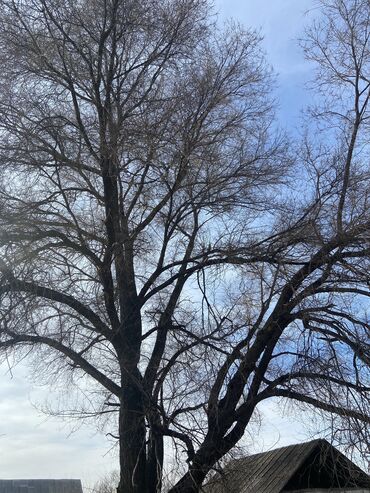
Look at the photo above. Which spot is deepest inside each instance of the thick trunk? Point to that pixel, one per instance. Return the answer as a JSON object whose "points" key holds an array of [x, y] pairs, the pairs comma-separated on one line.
{"points": [[132, 440], [154, 463], [213, 449], [190, 483]]}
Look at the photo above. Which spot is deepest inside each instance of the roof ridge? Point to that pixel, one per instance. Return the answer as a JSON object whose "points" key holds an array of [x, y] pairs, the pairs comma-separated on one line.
{"points": [[270, 471], [40, 479], [310, 442]]}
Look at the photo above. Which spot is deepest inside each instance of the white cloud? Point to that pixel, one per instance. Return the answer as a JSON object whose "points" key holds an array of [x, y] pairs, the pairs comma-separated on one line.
{"points": [[35, 446]]}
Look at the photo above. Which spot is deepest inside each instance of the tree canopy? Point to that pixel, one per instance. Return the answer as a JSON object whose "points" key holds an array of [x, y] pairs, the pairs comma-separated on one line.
{"points": [[161, 236]]}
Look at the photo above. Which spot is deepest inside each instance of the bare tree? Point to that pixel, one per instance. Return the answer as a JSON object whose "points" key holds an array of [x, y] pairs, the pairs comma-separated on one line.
{"points": [[154, 234], [107, 484]]}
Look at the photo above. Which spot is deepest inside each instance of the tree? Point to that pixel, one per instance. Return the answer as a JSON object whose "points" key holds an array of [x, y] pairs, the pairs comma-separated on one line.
{"points": [[107, 483], [142, 241]]}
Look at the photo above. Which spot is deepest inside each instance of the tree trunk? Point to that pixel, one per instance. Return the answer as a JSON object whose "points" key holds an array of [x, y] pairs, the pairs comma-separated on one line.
{"points": [[132, 438], [154, 463], [190, 483]]}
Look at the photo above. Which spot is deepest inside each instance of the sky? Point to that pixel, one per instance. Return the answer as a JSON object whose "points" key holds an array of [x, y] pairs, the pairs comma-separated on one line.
{"points": [[36, 446], [281, 23]]}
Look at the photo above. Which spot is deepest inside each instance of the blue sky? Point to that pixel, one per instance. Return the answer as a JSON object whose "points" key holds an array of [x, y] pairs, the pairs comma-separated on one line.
{"points": [[45, 447], [281, 22]]}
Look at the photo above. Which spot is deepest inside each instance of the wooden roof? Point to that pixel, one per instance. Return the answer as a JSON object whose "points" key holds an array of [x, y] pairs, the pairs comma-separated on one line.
{"points": [[40, 486], [289, 468]]}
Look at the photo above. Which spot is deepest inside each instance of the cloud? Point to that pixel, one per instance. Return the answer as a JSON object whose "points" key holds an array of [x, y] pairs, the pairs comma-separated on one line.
{"points": [[281, 22], [35, 446]]}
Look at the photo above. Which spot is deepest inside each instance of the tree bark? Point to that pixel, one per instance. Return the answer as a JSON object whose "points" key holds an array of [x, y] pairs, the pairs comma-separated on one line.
{"points": [[190, 482], [132, 438], [154, 463]]}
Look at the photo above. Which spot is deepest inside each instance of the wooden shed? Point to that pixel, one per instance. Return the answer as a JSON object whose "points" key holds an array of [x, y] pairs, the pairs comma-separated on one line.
{"points": [[315, 467], [40, 486]]}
